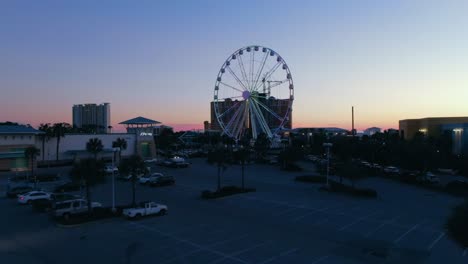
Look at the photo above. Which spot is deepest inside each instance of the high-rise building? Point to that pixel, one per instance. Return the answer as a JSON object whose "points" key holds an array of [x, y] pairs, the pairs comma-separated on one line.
{"points": [[92, 117]]}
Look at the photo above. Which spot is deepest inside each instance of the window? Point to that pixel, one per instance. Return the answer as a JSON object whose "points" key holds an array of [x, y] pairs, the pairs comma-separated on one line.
{"points": [[21, 137], [76, 204], [13, 137]]}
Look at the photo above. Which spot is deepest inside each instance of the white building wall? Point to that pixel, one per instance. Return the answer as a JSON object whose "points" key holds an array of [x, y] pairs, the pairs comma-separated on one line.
{"points": [[11, 140], [75, 142]]}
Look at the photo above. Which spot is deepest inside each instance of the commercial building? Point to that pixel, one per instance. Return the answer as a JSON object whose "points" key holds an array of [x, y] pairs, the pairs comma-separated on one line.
{"points": [[430, 126], [92, 117], [144, 130], [372, 130], [435, 127], [14, 140]]}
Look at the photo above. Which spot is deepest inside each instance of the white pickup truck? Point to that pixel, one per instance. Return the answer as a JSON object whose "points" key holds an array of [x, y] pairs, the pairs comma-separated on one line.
{"points": [[144, 209]]}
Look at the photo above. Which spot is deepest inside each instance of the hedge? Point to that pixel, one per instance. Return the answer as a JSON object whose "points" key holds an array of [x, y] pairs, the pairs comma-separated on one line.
{"points": [[343, 188], [225, 191]]}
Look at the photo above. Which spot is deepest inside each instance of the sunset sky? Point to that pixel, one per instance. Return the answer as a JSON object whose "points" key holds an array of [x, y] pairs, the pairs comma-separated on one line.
{"points": [[392, 60]]}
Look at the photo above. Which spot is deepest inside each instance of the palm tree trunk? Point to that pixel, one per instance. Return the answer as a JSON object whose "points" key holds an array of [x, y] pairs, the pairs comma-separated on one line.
{"points": [[57, 149], [88, 196], [133, 190], [219, 177], [243, 163], [43, 147]]}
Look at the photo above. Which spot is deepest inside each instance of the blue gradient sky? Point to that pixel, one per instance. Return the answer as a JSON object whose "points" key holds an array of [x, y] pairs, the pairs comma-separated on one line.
{"points": [[159, 59]]}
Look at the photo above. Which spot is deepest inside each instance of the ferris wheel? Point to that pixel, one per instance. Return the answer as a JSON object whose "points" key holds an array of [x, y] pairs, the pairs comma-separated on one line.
{"points": [[253, 93]]}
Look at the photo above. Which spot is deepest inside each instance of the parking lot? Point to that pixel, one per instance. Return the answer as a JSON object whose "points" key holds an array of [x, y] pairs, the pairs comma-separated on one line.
{"points": [[283, 222]]}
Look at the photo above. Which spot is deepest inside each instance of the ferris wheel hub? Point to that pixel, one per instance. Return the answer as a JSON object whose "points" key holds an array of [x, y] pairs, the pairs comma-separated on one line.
{"points": [[246, 95]]}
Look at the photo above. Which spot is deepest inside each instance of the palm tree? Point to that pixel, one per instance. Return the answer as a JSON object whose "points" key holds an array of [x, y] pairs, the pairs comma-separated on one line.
{"points": [[242, 156], [94, 146], [30, 154], [59, 130], [219, 157], [48, 133], [121, 144], [92, 171], [134, 166]]}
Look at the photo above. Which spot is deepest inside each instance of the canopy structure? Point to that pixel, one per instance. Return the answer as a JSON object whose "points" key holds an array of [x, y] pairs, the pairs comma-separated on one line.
{"points": [[139, 122]]}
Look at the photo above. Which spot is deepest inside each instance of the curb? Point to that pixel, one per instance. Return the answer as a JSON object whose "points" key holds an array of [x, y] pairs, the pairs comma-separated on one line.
{"points": [[100, 221]]}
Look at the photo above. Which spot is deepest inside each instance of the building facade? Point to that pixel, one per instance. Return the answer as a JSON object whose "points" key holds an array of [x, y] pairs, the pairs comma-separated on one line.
{"points": [[437, 126], [92, 116], [14, 140], [430, 126]]}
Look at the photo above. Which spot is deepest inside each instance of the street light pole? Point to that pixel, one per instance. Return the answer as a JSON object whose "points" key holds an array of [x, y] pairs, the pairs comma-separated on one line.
{"points": [[113, 178], [328, 146]]}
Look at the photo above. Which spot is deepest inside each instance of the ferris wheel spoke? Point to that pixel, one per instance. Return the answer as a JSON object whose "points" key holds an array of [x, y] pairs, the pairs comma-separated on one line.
{"points": [[237, 78], [230, 108], [240, 126], [234, 117], [269, 73], [268, 109], [240, 61], [252, 66], [253, 121], [232, 87], [261, 118], [260, 70], [258, 96]]}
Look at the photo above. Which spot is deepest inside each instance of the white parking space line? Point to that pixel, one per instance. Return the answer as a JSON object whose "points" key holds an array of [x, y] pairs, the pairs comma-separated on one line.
{"points": [[442, 234], [240, 252], [407, 232], [368, 234], [282, 254], [320, 259], [209, 249], [181, 257], [357, 221]]}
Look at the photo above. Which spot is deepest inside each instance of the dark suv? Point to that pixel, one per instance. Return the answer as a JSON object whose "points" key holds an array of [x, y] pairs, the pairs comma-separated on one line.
{"points": [[162, 180]]}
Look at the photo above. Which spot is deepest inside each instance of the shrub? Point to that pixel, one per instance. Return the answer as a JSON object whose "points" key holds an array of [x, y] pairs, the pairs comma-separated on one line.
{"points": [[456, 224], [347, 189], [225, 191], [311, 178]]}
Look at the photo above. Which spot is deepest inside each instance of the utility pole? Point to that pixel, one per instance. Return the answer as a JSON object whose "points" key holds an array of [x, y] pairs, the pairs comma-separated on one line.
{"points": [[352, 121]]}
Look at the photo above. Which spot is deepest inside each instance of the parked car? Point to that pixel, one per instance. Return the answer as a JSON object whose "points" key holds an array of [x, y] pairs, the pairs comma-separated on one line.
{"points": [[145, 209], [43, 205], [27, 198], [145, 179], [111, 169], [67, 187], [128, 177], [391, 170], [428, 177], [176, 162], [15, 191], [151, 160], [162, 180], [68, 208]]}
